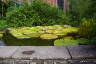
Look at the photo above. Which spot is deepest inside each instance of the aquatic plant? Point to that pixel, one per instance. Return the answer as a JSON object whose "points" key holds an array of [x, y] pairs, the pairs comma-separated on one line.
{"points": [[49, 31], [82, 40], [48, 36], [33, 35], [87, 28], [65, 42], [19, 36], [51, 27], [66, 26]]}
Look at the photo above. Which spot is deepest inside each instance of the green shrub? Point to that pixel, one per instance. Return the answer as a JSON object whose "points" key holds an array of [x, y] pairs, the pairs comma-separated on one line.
{"points": [[3, 24], [81, 9], [88, 28], [24, 16], [6, 6], [11, 5], [38, 13]]}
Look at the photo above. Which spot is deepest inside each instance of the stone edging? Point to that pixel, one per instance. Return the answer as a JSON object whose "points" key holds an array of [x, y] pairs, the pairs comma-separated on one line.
{"points": [[72, 54]]}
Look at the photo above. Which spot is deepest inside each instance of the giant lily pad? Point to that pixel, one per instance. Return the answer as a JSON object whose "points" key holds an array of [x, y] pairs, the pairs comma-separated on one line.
{"points": [[33, 35], [48, 36], [49, 31], [65, 42]]}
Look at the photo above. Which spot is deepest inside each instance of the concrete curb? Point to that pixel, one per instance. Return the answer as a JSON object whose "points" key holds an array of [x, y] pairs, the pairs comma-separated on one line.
{"points": [[48, 55]]}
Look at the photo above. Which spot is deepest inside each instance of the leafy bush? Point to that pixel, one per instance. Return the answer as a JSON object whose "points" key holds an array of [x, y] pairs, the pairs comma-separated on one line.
{"points": [[6, 6], [81, 9], [88, 28], [37, 13], [23, 16], [11, 5], [3, 24]]}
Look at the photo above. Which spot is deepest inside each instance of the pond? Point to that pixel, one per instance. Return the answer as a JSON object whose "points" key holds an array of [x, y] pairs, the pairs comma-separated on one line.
{"points": [[40, 36], [56, 35]]}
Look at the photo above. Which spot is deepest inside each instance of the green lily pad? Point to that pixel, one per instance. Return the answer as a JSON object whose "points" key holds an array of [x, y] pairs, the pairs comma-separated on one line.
{"points": [[34, 35], [49, 31], [20, 36], [51, 27], [65, 42], [59, 32], [48, 36], [82, 40]]}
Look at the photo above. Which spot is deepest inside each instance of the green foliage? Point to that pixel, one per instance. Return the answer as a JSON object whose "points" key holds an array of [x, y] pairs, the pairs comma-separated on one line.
{"points": [[65, 42], [1, 34], [37, 13], [88, 28], [49, 14], [81, 9], [83, 40], [59, 30], [11, 5], [93, 41], [6, 6], [3, 24]]}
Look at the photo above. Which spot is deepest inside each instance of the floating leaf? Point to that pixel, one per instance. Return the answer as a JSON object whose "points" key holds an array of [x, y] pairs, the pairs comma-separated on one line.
{"points": [[65, 42], [48, 36]]}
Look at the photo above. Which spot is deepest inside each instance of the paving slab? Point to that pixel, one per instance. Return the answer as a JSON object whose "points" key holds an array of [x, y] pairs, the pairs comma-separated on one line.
{"points": [[7, 51], [83, 52], [41, 52]]}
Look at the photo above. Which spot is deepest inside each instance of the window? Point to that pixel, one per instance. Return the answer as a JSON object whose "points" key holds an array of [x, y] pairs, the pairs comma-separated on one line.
{"points": [[60, 4]]}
